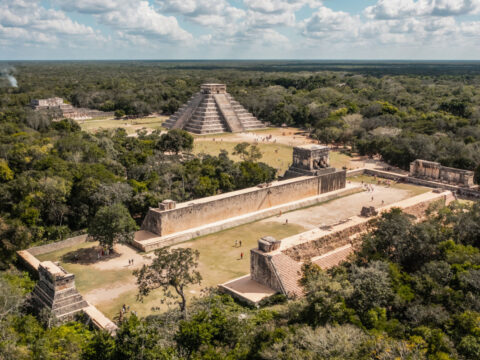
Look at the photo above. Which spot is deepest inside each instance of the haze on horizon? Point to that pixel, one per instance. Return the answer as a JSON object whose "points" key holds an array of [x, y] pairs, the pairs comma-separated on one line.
{"points": [[240, 29]]}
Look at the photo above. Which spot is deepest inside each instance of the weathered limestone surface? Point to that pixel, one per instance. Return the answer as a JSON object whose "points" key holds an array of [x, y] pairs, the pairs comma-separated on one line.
{"points": [[434, 171], [220, 207], [213, 110], [61, 110], [309, 160], [278, 267], [56, 291]]}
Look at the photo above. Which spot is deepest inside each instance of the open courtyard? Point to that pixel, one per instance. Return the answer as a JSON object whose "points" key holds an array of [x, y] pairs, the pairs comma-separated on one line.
{"points": [[108, 282]]}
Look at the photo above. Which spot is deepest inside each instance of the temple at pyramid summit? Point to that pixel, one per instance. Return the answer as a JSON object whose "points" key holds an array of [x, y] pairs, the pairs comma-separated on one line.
{"points": [[213, 110]]}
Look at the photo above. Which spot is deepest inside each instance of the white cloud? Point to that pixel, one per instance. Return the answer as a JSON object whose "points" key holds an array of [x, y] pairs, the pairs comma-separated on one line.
{"points": [[94, 6], [396, 9], [30, 22], [333, 25], [279, 6], [218, 13], [144, 20]]}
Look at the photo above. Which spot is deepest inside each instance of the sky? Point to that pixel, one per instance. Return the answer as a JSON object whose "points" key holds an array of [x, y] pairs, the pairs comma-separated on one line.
{"points": [[240, 29]]}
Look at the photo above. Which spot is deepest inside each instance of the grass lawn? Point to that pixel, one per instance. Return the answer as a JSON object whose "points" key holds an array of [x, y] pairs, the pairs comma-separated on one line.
{"points": [[87, 278], [414, 189], [130, 126], [278, 156], [219, 261]]}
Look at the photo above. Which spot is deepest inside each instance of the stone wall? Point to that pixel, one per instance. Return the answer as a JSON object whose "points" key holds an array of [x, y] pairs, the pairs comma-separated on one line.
{"points": [[434, 171], [279, 269], [263, 271], [43, 249], [220, 207], [346, 235]]}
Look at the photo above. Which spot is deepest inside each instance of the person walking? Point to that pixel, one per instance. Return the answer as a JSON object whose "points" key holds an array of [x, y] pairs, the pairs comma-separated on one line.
{"points": [[241, 255]]}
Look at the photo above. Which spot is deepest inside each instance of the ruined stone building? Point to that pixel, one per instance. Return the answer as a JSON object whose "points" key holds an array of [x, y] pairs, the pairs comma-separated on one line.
{"points": [[60, 110], [56, 291], [213, 110], [433, 171], [309, 160]]}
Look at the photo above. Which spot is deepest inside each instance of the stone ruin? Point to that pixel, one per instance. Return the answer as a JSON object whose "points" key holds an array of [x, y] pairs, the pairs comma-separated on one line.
{"points": [[310, 160], [434, 171], [56, 291], [368, 211], [62, 110], [213, 110]]}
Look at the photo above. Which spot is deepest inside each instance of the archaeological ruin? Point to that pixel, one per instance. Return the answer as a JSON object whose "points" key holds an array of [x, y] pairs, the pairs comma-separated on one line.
{"points": [[275, 265], [56, 291], [60, 110], [309, 160], [433, 171], [169, 222], [213, 110]]}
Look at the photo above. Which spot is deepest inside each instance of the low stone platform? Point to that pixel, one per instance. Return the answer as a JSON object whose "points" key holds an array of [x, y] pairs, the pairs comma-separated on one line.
{"points": [[247, 290]]}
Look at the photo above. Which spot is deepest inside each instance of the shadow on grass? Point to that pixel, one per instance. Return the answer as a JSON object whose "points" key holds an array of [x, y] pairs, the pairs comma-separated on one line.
{"points": [[87, 256]]}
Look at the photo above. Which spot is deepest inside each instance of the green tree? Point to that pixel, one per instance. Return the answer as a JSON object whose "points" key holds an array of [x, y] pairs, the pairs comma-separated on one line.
{"points": [[100, 347], [172, 268], [112, 224], [175, 141], [6, 174], [119, 114]]}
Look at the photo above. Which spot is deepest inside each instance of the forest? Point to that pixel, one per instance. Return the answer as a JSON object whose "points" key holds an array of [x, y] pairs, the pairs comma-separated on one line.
{"points": [[411, 292]]}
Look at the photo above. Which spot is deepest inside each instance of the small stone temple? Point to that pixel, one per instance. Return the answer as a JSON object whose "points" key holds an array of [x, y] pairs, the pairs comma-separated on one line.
{"points": [[56, 291], [61, 110], [433, 171], [309, 160], [213, 110]]}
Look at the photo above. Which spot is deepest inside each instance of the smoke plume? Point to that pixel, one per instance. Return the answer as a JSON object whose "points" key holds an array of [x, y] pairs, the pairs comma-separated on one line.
{"points": [[8, 74]]}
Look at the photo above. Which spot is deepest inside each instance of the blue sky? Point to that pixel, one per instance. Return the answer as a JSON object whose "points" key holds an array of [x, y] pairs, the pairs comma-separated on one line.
{"points": [[240, 29]]}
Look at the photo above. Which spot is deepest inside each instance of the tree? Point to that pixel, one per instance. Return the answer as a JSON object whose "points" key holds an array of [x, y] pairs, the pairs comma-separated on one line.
{"points": [[241, 150], [171, 268], [119, 114], [176, 141], [6, 174], [112, 224]]}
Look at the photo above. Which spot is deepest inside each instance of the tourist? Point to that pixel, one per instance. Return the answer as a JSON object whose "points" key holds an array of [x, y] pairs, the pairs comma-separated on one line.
{"points": [[286, 221], [236, 243], [240, 243], [241, 256], [372, 198]]}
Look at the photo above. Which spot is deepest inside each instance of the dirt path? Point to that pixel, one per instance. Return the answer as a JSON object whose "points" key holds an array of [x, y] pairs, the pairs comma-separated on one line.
{"points": [[285, 136], [109, 293], [121, 262]]}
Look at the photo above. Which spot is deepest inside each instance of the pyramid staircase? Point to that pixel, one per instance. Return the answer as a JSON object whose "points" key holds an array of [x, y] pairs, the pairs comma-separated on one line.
{"points": [[56, 291], [213, 110]]}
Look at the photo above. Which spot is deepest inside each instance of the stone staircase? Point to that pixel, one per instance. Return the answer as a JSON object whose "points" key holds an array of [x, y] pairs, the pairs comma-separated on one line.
{"points": [[248, 121], [228, 113], [211, 111], [181, 116], [56, 291], [206, 118]]}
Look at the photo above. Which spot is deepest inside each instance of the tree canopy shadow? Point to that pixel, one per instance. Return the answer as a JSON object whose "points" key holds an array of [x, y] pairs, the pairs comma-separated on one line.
{"points": [[87, 256]]}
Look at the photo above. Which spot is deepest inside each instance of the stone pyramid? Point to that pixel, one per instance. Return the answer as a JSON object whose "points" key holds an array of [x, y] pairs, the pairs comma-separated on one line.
{"points": [[56, 291], [213, 110]]}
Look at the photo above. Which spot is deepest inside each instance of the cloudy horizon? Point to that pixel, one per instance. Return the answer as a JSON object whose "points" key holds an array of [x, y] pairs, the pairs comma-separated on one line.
{"points": [[240, 29]]}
